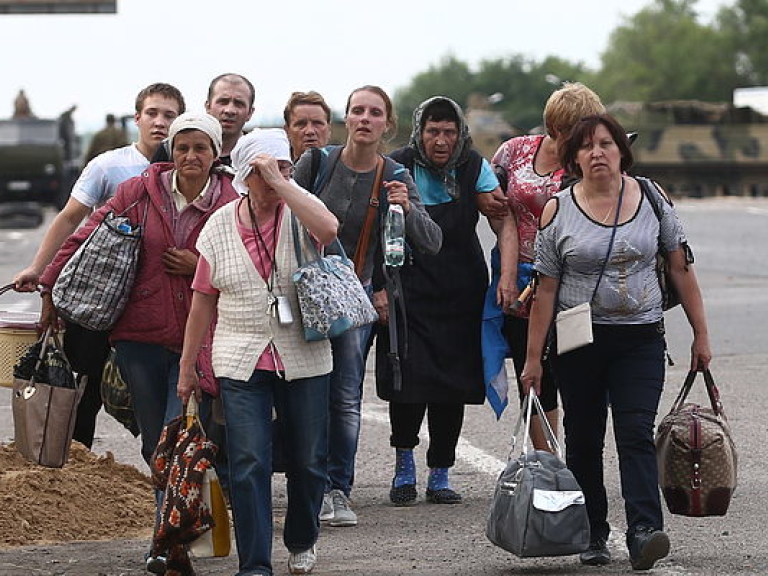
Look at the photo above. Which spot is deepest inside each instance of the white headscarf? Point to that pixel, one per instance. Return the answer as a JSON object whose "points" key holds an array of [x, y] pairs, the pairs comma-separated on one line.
{"points": [[270, 141], [197, 121]]}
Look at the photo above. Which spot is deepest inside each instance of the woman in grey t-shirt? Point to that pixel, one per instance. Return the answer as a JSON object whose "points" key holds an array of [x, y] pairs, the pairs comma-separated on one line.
{"points": [[624, 367]]}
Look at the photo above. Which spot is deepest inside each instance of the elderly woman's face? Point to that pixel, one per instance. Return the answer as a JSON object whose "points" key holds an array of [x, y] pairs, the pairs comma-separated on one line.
{"points": [[257, 182], [193, 153]]}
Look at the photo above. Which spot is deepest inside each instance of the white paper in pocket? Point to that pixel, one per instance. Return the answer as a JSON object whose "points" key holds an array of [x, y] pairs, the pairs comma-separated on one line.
{"points": [[556, 500]]}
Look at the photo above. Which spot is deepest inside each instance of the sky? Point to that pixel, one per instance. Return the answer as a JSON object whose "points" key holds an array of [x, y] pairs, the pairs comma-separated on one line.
{"points": [[100, 62]]}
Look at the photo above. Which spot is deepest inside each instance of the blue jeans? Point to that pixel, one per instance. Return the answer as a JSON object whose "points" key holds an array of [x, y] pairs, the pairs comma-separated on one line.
{"points": [[151, 372], [623, 368], [349, 353], [303, 416]]}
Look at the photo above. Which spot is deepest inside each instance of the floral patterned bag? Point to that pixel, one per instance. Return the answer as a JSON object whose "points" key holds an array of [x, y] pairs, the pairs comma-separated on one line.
{"points": [[331, 298]]}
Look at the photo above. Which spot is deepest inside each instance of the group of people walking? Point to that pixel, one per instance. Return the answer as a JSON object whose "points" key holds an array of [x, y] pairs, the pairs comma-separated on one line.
{"points": [[217, 257]]}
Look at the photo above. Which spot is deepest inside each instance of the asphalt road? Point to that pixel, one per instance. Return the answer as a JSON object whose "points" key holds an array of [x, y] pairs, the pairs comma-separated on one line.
{"points": [[728, 236]]}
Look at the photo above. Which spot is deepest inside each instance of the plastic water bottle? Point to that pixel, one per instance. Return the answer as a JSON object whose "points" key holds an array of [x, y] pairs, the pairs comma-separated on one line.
{"points": [[394, 236]]}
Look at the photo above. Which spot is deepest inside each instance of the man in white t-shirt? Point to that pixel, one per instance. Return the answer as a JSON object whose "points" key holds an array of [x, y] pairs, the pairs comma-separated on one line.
{"points": [[157, 106]]}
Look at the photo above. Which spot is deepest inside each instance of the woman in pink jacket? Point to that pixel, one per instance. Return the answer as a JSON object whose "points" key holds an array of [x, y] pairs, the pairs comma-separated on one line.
{"points": [[178, 199]]}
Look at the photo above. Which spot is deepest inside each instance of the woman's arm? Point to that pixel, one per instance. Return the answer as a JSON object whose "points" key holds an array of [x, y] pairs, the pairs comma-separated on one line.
{"points": [[310, 211], [493, 205], [684, 280], [507, 292], [544, 299], [199, 320], [542, 312]]}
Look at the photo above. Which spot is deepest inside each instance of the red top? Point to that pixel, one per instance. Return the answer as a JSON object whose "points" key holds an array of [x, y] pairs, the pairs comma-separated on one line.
{"points": [[527, 191]]}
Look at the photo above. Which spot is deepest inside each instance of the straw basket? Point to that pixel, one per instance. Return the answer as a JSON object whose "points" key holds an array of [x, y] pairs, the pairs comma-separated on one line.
{"points": [[18, 331]]}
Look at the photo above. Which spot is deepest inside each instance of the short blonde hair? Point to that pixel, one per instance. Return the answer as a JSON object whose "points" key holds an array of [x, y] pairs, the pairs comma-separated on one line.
{"points": [[568, 105]]}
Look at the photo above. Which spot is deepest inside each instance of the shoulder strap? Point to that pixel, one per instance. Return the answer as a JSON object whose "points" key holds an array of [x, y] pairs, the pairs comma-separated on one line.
{"points": [[314, 167], [373, 208], [324, 161], [610, 243], [653, 194], [404, 156]]}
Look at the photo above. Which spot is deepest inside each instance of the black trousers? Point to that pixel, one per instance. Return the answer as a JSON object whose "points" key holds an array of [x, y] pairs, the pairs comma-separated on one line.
{"points": [[87, 352], [444, 422], [624, 370]]}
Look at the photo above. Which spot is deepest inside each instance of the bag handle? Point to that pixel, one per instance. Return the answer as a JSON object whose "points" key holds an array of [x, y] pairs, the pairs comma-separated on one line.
{"points": [[361, 251], [12, 286], [45, 343], [526, 409], [191, 412], [302, 242], [712, 392]]}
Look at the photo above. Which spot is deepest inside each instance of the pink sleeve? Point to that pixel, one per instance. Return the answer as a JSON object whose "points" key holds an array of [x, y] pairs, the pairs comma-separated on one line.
{"points": [[202, 279]]}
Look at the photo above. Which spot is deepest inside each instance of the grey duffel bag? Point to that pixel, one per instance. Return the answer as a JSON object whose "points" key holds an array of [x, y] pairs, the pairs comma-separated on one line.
{"points": [[538, 507]]}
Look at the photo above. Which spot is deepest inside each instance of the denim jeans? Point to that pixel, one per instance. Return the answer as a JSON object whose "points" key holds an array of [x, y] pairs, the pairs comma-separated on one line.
{"points": [[623, 369], [349, 354], [302, 412], [151, 372]]}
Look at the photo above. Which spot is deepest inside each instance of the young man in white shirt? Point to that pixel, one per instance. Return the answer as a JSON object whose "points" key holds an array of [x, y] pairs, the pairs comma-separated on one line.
{"points": [[157, 106]]}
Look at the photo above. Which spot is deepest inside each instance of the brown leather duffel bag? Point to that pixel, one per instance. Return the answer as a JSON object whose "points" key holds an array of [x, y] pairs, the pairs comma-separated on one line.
{"points": [[696, 454]]}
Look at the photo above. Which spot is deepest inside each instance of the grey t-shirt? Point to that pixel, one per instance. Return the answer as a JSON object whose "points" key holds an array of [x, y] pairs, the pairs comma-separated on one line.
{"points": [[573, 246]]}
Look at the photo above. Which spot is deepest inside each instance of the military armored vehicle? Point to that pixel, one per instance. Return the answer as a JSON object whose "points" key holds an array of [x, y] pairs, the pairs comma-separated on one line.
{"points": [[38, 160], [699, 148]]}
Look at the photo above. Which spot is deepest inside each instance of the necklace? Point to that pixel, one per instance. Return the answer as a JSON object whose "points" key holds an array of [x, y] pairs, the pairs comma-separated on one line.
{"points": [[589, 206], [271, 261]]}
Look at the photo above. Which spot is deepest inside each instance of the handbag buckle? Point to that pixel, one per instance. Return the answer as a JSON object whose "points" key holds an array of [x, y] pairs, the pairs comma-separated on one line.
{"points": [[509, 487], [696, 478], [28, 392]]}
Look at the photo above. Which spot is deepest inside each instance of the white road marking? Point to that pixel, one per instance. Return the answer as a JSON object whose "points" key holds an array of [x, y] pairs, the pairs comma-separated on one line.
{"points": [[479, 459]]}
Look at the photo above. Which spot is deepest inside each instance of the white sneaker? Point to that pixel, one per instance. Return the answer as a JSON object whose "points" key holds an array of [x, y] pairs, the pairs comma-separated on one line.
{"points": [[326, 512], [342, 511], [302, 562]]}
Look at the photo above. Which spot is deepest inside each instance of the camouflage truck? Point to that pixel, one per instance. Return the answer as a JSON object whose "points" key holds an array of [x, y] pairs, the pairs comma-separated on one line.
{"points": [[38, 161], [698, 148]]}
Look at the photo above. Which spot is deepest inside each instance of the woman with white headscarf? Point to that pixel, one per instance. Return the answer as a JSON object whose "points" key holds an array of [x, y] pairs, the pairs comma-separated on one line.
{"points": [[174, 200], [260, 356]]}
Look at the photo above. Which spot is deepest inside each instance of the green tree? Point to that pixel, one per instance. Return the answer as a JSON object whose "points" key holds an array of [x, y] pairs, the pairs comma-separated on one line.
{"points": [[523, 85], [450, 77], [664, 53], [745, 29]]}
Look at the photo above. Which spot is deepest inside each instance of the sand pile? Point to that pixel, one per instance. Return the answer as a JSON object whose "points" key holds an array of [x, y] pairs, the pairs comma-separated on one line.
{"points": [[91, 498]]}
